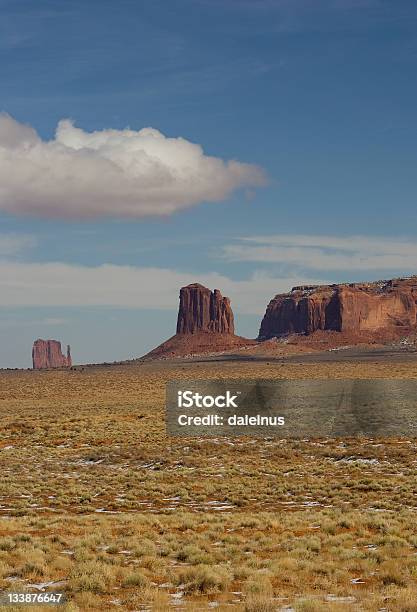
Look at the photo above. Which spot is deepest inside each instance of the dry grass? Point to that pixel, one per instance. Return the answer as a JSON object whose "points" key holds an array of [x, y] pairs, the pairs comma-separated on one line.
{"points": [[95, 497]]}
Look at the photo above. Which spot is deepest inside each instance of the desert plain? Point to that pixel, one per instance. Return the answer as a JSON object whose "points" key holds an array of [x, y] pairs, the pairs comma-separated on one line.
{"points": [[97, 502]]}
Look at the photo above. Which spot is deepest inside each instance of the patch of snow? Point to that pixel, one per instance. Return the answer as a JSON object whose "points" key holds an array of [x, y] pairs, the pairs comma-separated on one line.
{"points": [[41, 586], [340, 599]]}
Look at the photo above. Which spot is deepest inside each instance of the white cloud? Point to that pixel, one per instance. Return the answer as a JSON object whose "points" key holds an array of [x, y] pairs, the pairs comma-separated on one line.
{"points": [[58, 284], [326, 253], [13, 244], [122, 173]]}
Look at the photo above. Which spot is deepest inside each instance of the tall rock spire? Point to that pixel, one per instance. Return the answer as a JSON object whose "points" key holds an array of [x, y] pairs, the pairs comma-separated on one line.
{"points": [[69, 358]]}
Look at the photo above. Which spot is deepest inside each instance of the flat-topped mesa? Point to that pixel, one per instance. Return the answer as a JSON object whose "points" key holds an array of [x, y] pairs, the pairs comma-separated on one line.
{"points": [[202, 310], [388, 305], [48, 354]]}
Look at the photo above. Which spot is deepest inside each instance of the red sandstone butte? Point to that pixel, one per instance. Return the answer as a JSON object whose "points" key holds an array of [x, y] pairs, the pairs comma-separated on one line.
{"points": [[204, 326], [381, 307], [48, 354], [202, 310]]}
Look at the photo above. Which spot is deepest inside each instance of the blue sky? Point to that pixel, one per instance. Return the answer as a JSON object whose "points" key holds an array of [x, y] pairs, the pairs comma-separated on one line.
{"points": [[315, 102]]}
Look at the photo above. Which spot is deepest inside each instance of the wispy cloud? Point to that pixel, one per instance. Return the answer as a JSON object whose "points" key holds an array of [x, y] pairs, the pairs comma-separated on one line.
{"points": [[59, 284], [327, 253], [294, 16], [13, 244], [10, 322]]}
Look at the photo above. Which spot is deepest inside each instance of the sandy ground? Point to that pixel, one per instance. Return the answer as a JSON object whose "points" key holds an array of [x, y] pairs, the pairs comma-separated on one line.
{"points": [[97, 500]]}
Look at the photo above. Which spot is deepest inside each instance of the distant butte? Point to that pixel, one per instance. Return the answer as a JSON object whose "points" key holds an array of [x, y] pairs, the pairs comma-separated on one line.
{"points": [[205, 324], [48, 354]]}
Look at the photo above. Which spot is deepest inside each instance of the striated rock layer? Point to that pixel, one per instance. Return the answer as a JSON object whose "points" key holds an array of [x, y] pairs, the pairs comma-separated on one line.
{"points": [[204, 310], [48, 354], [383, 306]]}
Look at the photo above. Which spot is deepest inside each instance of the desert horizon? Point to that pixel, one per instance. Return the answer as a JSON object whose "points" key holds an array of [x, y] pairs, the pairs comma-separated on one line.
{"points": [[381, 312]]}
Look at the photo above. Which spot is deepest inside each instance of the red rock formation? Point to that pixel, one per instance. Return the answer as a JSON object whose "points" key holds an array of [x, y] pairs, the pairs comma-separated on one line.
{"points": [[205, 326], [357, 307], [48, 354], [204, 310]]}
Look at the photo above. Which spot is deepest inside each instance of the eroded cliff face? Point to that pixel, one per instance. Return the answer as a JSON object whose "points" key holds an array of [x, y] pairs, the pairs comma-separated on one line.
{"points": [[202, 310], [371, 307], [48, 354]]}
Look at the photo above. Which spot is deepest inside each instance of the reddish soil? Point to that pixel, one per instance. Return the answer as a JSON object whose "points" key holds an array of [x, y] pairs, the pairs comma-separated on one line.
{"points": [[200, 343]]}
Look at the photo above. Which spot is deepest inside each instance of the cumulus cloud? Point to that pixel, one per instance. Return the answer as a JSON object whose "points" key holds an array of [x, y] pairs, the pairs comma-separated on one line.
{"points": [[121, 173], [59, 284], [327, 253]]}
